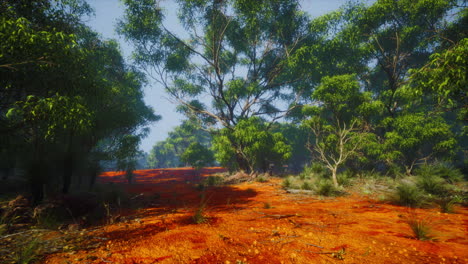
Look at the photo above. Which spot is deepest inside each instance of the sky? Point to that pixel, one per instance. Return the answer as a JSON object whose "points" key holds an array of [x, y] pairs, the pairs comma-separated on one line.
{"points": [[108, 12]]}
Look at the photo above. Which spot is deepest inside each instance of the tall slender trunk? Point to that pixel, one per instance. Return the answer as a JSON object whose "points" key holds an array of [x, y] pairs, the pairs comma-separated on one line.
{"points": [[335, 181], [68, 166]]}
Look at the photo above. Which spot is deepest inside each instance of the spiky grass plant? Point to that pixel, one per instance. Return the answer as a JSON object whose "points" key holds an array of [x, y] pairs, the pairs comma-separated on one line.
{"points": [[422, 229], [409, 195], [199, 216], [28, 253]]}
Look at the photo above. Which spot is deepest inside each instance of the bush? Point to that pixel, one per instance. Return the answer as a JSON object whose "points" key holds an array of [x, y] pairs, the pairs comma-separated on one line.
{"points": [[214, 181], [325, 187], [344, 179], [306, 186], [287, 183], [440, 170], [432, 184], [447, 204], [421, 228], [409, 195]]}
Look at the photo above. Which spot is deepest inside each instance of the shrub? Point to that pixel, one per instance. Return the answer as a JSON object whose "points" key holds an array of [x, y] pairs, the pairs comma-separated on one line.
{"points": [[421, 228], [409, 195], [306, 186], [432, 184], [325, 187], [287, 183], [440, 170], [447, 204], [199, 216], [28, 253], [262, 178], [214, 181], [344, 179]]}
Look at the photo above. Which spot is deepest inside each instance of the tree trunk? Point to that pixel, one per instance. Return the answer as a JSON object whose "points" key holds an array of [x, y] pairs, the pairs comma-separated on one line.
{"points": [[67, 173], [68, 166], [37, 173], [243, 163], [335, 181]]}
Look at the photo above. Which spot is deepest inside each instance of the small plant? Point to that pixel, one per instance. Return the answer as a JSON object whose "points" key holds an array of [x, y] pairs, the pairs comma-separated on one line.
{"points": [[344, 179], [213, 181], [267, 205], [440, 170], [409, 195], [27, 253], [326, 188], [421, 228], [447, 204], [262, 179], [306, 186], [50, 221], [287, 183], [199, 216], [432, 184]]}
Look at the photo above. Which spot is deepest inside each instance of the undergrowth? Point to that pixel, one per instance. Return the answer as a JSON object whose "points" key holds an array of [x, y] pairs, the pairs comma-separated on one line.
{"points": [[27, 253]]}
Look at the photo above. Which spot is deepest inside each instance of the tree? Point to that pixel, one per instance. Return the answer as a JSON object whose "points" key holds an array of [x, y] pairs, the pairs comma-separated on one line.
{"points": [[338, 121], [168, 153], [61, 88], [237, 54], [251, 141], [197, 155], [417, 137]]}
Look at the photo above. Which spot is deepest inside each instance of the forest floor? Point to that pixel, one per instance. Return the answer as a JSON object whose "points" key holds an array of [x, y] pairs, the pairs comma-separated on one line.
{"points": [[259, 222]]}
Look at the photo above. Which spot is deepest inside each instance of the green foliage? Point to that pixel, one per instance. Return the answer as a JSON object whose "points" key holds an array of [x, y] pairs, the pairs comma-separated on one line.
{"points": [[250, 146], [197, 155], [306, 186], [168, 153], [409, 195], [417, 136], [440, 170], [447, 204], [28, 253], [444, 77], [225, 36], [326, 187], [421, 228]]}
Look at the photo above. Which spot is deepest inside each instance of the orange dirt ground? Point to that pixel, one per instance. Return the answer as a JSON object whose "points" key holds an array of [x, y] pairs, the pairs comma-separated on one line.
{"points": [[240, 228]]}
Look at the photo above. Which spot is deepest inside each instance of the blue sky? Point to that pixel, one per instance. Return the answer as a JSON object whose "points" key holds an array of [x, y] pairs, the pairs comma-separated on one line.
{"points": [[108, 13]]}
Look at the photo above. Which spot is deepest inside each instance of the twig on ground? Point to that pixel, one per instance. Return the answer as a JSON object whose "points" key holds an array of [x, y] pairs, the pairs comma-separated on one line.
{"points": [[314, 245], [19, 233]]}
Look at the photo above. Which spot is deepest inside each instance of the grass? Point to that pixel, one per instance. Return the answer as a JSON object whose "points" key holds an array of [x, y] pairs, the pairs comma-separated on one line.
{"points": [[325, 187], [421, 228], [409, 195], [447, 204], [28, 253], [199, 215], [262, 179], [266, 205]]}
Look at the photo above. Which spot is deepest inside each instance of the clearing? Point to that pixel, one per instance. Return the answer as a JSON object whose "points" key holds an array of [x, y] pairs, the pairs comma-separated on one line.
{"points": [[261, 223]]}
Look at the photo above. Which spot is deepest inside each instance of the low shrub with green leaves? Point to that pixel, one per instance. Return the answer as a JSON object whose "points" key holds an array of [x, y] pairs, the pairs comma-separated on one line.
{"points": [[432, 184], [28, 253], [440, 170], [421, 228], [409, 195], [325, 187]]}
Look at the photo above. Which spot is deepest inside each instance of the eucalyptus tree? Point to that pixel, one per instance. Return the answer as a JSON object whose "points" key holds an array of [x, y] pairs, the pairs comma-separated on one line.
{"points": [[168, 153], [62, 89], [339, 121], [233, 63]]}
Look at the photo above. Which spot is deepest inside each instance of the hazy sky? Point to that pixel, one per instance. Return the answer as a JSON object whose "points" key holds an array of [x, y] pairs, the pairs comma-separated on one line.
{"points": [[107, 14]]}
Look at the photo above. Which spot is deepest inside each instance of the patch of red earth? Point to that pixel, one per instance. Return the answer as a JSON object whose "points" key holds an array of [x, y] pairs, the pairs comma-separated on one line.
{"points": [[296, 229]]}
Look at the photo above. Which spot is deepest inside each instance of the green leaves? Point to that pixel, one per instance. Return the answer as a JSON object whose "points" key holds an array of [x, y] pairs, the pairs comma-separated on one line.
{"points": [[250, 146]]}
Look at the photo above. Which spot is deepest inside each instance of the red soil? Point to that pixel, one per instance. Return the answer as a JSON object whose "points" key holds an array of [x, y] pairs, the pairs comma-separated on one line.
{"points": [[240, 227]]}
